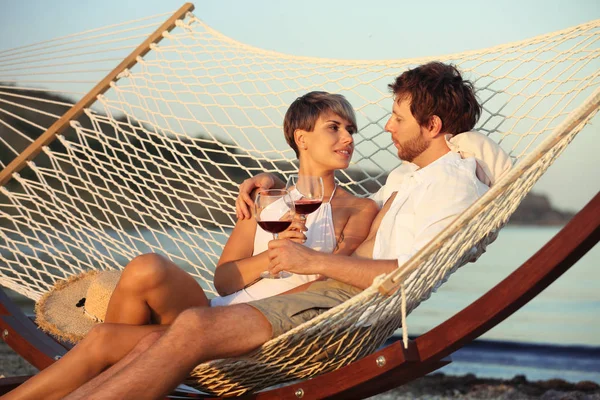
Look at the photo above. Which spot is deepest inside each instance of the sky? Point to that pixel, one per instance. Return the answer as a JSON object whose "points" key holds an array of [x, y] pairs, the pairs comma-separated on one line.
{"points": [[377, 29]]}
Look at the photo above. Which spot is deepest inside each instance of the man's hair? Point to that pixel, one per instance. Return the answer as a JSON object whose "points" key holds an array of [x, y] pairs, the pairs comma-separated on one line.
{"points": [[439, 89], [305, 110]]}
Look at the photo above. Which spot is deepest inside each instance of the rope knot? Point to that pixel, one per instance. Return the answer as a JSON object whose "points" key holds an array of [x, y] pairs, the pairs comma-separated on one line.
{"points": [[124, 74]]}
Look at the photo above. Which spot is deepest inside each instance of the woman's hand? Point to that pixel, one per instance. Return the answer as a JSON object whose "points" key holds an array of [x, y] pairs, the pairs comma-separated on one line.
{"points": [[295, 232]]}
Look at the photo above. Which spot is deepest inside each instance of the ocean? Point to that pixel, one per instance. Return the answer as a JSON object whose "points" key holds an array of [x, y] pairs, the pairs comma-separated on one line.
{"points": [[556, 335]]}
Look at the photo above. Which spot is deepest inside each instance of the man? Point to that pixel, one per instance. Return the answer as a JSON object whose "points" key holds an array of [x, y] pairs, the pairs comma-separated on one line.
{"points": [[430, 101]]}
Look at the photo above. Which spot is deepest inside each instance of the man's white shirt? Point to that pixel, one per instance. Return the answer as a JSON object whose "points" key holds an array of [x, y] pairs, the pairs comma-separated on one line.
{"points": [[427, 201]]}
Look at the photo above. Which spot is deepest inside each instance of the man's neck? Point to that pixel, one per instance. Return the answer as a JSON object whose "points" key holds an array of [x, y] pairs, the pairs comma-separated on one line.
{"points": [[436, 150]]}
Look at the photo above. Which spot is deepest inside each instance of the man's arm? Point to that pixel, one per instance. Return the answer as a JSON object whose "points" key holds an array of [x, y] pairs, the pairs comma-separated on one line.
{"points": [[358, 271], [293, 257], [430, 218], [244, 201]]}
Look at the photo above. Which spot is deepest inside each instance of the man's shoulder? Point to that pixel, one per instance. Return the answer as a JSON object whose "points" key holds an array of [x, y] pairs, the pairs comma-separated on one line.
{"points": [[455, 180], [455, 171]]}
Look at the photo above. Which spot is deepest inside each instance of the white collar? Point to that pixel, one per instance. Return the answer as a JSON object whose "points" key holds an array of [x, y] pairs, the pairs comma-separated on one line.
{"points": [[422, 173]]}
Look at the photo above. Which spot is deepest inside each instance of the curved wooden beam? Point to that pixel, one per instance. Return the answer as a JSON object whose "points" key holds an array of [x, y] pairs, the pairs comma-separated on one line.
{"points": [[368, 377], [544, 267], [356, 380], [24, 337]]}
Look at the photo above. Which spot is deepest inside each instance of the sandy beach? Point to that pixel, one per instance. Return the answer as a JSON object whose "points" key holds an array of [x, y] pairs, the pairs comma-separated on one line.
{"points": [[436, 386]]}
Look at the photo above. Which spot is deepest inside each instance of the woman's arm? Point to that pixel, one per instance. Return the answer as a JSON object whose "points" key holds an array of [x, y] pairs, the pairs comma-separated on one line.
{"points": [[237, 268], [356, 230]]}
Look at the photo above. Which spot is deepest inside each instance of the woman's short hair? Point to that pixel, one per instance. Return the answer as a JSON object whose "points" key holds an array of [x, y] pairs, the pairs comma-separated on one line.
{"points": [[305, 110], [438, 89]]}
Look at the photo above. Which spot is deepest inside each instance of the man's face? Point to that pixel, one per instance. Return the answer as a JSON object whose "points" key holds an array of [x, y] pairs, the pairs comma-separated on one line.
{"points": [[407, 134]]}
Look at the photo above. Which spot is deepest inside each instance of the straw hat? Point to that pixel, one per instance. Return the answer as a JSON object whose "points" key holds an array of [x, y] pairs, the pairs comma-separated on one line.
{"points": [[73, 306]]}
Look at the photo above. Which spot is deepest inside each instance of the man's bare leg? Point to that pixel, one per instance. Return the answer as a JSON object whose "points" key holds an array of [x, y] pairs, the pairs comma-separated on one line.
{"points": [[104, 346], [99, 380], [197, 335]]}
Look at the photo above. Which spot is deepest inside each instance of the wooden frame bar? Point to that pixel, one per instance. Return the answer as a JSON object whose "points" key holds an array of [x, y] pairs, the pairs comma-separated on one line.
{"points": [[24, 337], [61, 124], [383, 370], [8, 384], [376, 373], [562, 251], [550, 262], [366, 377]]}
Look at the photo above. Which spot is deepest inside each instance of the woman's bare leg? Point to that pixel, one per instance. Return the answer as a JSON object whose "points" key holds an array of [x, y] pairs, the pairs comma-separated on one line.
{"points": [[153, 290], [104, 346]]}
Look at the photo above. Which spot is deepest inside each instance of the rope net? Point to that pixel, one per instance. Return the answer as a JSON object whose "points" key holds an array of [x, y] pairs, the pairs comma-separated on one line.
{"points": [[154, 166]]}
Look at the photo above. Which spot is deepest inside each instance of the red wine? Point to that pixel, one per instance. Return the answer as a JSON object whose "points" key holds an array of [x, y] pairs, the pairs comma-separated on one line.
{"points": [[307, 206], [274, 226]]}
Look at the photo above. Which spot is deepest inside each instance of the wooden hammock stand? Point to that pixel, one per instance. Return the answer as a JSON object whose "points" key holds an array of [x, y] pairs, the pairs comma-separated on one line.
{"points": [[383, 370], [393, 365]]}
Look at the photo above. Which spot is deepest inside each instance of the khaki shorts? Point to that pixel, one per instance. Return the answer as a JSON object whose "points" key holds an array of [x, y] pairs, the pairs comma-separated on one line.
{"points": [[287, 311]]}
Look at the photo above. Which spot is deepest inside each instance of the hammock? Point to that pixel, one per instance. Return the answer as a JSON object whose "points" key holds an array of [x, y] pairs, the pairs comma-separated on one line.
{"points": [[149, 160]]}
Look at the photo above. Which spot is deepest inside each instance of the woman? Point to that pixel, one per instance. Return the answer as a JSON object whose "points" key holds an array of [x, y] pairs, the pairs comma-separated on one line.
{"points": [[152, 290]]}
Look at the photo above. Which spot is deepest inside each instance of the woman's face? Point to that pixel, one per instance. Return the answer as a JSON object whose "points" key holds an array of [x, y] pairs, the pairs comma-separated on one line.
{"points": [[330, 144]]}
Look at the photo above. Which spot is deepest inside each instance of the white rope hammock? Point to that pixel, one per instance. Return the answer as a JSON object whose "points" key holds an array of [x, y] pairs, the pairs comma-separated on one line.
{"points": [[154, 166]]}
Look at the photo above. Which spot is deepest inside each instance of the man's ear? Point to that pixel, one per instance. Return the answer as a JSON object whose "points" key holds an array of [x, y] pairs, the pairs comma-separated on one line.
{"points": [[434, 127]]}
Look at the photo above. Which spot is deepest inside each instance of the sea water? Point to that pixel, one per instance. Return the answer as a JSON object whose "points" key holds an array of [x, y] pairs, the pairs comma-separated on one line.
{"points": [[555, 335], [566, 313]]}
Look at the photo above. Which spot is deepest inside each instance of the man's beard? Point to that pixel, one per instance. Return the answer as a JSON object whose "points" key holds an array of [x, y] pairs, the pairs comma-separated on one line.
{"points": [[413, 148]]}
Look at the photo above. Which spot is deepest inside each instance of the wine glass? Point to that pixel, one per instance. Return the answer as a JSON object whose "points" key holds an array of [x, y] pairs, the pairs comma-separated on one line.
{"points": [[310, 189], [274, 211]]}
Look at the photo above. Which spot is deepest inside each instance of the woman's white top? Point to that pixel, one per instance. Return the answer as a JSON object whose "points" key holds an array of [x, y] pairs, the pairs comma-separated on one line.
{"points": [[320, 236]]}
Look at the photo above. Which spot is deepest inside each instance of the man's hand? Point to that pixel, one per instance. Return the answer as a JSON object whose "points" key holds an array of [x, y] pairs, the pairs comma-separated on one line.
{"points": [[285, 255], [244, 202]]}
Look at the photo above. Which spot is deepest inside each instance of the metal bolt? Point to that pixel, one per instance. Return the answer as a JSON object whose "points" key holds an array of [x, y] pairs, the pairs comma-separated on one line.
{"points": [[4, 333], [299, 393], [57, 357], [380, 361]]}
